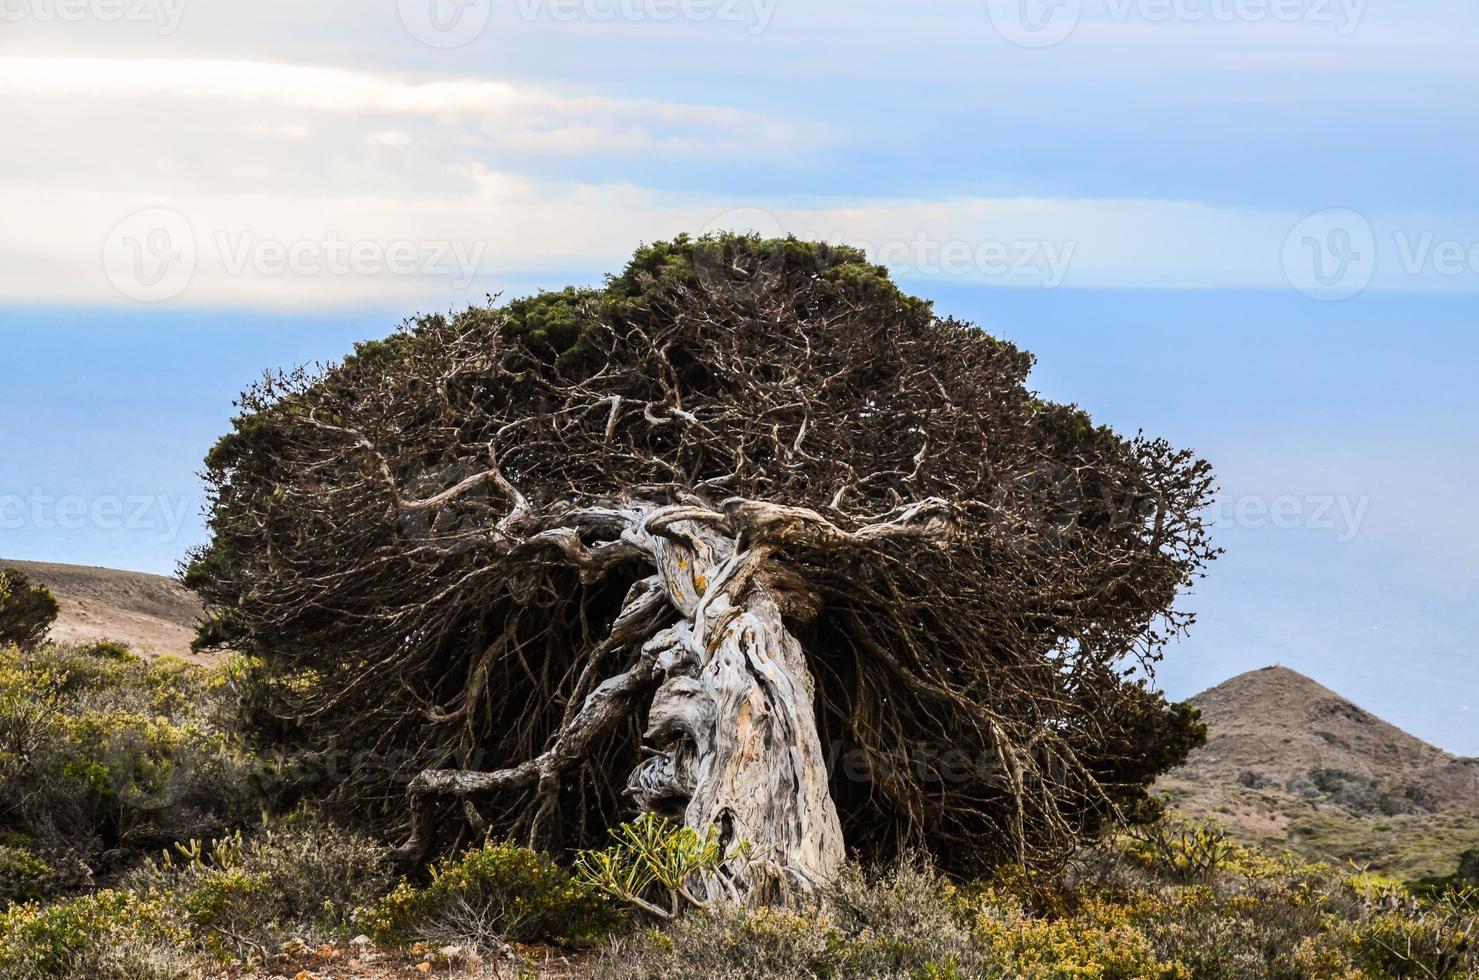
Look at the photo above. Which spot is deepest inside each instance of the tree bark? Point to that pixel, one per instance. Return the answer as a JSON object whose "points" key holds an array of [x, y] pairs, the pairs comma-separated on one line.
{"points": [[742, 751], [735, 723], [732, 722]]}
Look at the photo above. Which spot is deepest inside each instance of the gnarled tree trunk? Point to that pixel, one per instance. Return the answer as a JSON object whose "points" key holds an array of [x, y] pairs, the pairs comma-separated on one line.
{"points": [[737, 727], [731, 722]]}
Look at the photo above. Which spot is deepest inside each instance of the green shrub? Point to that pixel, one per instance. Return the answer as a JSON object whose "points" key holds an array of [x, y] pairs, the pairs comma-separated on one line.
{"points": [[908, 924], [233, 899], [1102, 944], [241, 897], [651, 864], [491, 894], [105, 753], [230, 910], [106, 650], [109, 935], [26, 611], [23, 875], [732, 944], [1182, 851], [1257, 929], [911, 918], [1415, 938]]}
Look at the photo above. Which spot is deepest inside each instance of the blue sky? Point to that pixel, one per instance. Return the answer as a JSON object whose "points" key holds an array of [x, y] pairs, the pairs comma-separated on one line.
{"points": [[1248, 225]]}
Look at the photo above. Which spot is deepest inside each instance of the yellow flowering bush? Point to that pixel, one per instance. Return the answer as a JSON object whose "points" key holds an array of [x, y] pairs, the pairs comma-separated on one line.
{"points": [[108, 935], [1102, 944]]}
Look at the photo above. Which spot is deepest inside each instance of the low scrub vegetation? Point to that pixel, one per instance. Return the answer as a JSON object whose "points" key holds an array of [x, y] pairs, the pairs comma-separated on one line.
{"points": [[134, 846], [1406, 847], [233, 900], [1133, 910], [105, 756], [1119, 913], [1361, 794], [489, 896], [1123, 912], [302, 880]]}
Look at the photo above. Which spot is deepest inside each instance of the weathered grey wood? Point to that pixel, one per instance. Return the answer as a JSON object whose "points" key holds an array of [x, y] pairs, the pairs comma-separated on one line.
{"points": [[731, 723], [738, 724]]}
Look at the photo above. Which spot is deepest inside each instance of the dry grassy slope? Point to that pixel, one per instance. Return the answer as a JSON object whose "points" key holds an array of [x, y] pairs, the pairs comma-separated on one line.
{"points": [[1291, 763], [150, 613]]}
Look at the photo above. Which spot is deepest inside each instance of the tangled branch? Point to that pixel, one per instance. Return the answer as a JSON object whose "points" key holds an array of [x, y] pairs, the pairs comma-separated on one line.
{"points": [[495, 554]]}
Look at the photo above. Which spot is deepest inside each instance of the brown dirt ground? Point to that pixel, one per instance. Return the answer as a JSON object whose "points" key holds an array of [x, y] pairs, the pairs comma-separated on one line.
{"points": [[151, 614], [348, 962]]}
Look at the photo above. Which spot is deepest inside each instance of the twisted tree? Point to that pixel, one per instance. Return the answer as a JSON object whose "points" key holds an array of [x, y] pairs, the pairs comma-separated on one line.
{"points": [[747, 537]]}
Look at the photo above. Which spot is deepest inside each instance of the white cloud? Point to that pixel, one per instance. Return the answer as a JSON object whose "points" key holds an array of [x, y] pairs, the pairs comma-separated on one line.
{"points": [[273, 169], [505, 227], [523, 116], [295, 131], [391, 138], [265, 249], [313, 87]]}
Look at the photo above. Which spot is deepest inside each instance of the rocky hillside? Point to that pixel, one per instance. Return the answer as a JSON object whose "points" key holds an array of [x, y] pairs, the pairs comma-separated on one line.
{"points": [[1291, 763], [150, 613]]}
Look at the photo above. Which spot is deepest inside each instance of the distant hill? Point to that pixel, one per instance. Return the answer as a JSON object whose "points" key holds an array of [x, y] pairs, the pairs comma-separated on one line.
{"points": [[1291, 763], [150, 613]]}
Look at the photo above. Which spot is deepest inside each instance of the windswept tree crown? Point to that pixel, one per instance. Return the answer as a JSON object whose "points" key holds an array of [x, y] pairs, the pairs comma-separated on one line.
{"points": [[601, 550]]}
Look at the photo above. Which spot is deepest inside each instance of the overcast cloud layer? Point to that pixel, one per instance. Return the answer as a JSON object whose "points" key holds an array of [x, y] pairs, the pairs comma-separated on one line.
{"points": [[282, 157]]}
